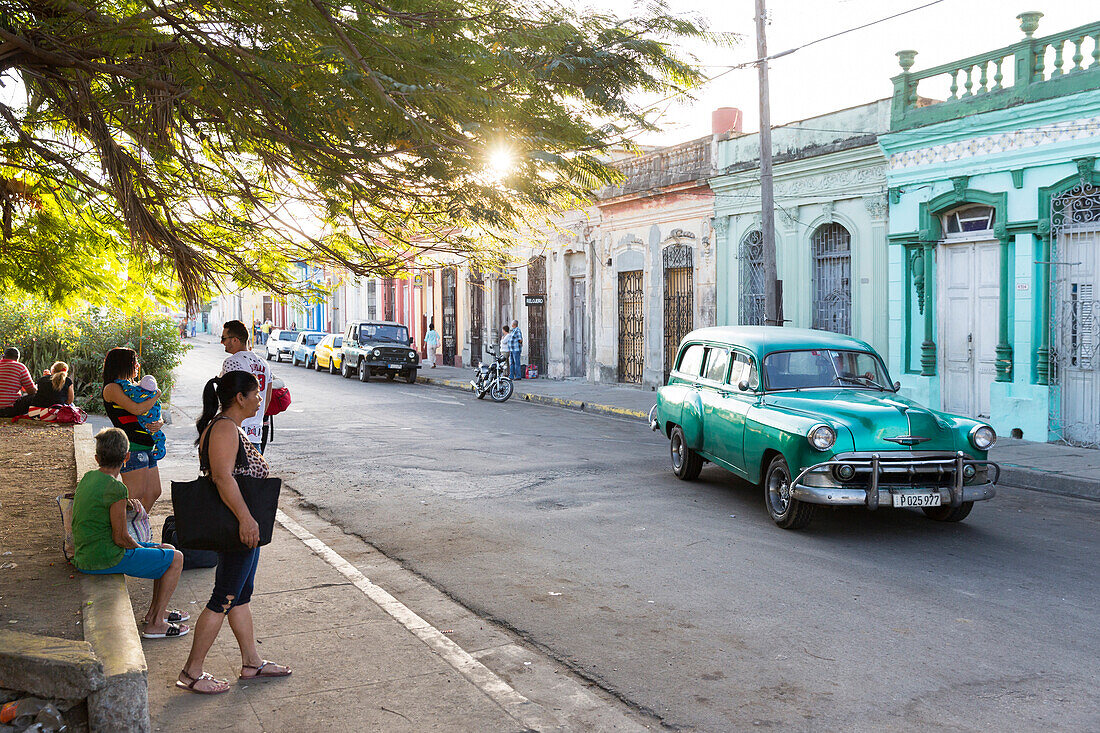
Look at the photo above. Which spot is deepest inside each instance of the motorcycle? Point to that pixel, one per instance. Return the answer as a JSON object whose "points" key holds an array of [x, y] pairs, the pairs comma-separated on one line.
{"points": [[492, 379]]}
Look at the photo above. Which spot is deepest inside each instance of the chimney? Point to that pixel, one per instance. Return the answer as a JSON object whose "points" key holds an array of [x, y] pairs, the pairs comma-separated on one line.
{"points": [[725, 119]]}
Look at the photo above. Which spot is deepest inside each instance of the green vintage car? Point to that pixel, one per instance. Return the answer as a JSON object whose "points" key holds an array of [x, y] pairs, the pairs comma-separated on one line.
{"points": [[812, 418]]}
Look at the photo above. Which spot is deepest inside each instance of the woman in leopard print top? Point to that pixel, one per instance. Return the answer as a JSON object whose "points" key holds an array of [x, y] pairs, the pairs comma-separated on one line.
{"points": [[225, 453]]}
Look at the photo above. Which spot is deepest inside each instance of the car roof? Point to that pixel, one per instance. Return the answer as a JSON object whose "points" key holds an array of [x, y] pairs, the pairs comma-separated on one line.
{"points": [[769, 339], [379, 323]]}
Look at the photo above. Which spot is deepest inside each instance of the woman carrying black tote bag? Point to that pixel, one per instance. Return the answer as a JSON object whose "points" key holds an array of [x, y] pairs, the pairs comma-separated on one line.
{"points": [[234, 495]]}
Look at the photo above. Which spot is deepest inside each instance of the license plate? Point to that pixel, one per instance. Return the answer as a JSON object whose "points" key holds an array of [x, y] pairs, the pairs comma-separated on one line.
{"points": [[912, 499], [395, 366]]}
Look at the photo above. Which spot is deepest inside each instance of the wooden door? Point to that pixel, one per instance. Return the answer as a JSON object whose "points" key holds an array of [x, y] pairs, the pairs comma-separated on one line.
{"points": [[968, 288], [578, 334]]}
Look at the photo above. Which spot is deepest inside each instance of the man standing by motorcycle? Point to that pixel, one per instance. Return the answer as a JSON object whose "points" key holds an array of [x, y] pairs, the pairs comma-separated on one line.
{"points": [[515, 347]]}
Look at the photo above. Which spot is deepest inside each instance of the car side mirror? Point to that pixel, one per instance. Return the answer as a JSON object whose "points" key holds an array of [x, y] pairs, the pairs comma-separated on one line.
{"points": [[412, 341], [897, 386], [743, 385]]}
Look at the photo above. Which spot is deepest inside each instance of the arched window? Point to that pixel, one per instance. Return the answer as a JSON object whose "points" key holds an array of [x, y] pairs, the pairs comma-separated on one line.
{"points": [[832, 306], [751, 255], [968, 220]]}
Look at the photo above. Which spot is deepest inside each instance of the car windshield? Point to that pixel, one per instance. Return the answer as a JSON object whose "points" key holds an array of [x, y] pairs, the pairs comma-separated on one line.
{"points": [[338, 342], [825, 368], [372, 332], [313, 339], [288, 336]]}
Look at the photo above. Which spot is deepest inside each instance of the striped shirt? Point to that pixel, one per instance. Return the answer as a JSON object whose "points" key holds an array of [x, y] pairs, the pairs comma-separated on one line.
{"points": [[14, 379]]}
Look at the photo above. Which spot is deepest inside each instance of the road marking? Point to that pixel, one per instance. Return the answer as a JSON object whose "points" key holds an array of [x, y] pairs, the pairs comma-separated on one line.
{"points": [[503, 694], [430, 399]]}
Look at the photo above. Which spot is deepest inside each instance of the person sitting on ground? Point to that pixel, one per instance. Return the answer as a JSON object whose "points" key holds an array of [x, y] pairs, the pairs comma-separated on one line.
{"points": [[146, 389], [140, 473], [55, 388], [104, 546], [224, 454], [16, 386]]}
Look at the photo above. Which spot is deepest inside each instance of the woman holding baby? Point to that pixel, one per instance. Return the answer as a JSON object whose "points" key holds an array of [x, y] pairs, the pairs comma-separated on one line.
{"points": [[134, 410]]}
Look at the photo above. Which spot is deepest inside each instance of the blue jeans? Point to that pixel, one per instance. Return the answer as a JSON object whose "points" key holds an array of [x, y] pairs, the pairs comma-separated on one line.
{"points": [[516, 368], [233, 579]]}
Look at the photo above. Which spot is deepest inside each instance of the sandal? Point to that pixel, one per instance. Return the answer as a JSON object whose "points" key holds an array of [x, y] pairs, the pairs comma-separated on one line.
{"points": [[261, 674], [173, 631], [172, 616], [222, 685]]}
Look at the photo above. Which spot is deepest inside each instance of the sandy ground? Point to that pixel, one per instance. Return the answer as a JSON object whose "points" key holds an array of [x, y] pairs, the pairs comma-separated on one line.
{"points": [[38, 591]]}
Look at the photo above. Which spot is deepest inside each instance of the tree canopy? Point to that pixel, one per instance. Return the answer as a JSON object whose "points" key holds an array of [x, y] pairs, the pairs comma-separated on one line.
{"points": [[202, 141]]}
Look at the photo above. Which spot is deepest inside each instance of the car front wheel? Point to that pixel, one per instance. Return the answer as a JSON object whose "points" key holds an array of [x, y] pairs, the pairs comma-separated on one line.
{"points": [[269, 356], [785, 510], [331, 366], [947, 513], [364, 371], [686, 463], [410, 377]]}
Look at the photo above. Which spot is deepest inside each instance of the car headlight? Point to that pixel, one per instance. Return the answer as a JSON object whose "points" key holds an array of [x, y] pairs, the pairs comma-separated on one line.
{"points": [[822, 437], [377, 353], [412, 355], [983, 437]]}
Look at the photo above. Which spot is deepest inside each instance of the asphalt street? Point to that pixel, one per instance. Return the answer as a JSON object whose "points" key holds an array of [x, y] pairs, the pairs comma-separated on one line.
{"points": [[684, 599]]}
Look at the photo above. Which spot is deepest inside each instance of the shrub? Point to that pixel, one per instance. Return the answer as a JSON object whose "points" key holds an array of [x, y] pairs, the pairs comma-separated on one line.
{"points": [[82, 340]]}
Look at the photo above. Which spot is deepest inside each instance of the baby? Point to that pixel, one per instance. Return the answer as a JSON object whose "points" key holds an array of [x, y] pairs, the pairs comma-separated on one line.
{"points": [[140, 392]]}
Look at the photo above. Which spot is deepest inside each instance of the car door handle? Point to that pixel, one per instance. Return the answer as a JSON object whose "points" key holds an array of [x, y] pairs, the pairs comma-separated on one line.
{"points": [[723, 393]]}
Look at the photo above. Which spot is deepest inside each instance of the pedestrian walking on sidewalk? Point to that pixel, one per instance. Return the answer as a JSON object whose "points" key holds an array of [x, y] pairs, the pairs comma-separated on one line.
{"points": [[140, 472], [17, 389], [241, 358], [515, 348], [102, 542], [431, 343], [224, 454]]}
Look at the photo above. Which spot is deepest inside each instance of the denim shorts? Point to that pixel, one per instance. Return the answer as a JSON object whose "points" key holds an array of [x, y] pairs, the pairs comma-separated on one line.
{"points": [[139, 459], [147, 561]]}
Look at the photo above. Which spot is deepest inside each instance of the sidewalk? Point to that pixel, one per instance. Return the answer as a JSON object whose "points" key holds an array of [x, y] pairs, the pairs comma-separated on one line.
{"points": [[1049, 467], [372, 645]]}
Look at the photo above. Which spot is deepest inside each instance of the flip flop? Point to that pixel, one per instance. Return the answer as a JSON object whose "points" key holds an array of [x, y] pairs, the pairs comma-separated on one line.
{"points": [[174, 617], [260, 674], [174, 630], [190, 686]]}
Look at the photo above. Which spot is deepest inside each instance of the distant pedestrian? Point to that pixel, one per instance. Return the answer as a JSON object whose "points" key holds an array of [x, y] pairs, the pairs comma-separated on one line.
{"points": [[505, 338], [241, 358], [140, 472], [104, 546], [17, 389], [431, 343], [224, 454], [515, 347], [265, 331], [56, 388]]}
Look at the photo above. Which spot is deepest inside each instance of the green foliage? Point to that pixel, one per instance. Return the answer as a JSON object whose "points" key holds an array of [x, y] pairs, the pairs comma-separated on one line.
{"points": [[226, 140], [83, 339]]}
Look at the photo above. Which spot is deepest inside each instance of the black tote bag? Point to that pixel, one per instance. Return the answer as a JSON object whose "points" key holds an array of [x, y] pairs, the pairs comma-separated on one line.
{"points": [[205, 522]]}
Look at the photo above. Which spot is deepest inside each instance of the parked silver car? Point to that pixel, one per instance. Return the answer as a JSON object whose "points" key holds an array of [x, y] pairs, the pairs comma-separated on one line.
{"points": [[281, 342]]}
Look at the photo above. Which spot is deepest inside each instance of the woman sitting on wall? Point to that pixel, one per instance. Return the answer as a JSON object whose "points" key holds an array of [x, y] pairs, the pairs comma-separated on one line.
{"points": [[55, 388]]}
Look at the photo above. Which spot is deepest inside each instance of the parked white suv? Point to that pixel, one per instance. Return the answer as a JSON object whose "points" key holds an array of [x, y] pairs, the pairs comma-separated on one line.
{"points": [[281, 342]]}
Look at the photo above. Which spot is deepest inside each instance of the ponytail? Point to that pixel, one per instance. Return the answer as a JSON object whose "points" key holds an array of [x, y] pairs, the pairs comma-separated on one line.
{"points": [[60, 372], [219, 393]]}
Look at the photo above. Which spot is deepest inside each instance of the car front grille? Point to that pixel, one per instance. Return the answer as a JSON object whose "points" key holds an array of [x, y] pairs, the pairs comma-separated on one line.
{"points": [[926, 470]]}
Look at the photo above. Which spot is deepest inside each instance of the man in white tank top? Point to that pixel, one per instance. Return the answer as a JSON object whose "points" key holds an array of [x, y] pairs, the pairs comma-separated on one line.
{"points": [[241, 358]]}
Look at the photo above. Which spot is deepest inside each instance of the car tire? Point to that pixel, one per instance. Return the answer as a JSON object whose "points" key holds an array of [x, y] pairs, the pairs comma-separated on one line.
{"points": [[344, 372], [269, 356], [686, 463], [948, 513], [331, 366], [787, 512], [411, 376], [316, 365], [364, 371], [390, 376]]}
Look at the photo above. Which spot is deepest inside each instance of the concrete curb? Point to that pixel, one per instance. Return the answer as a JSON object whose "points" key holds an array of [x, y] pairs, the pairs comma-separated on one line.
{"points": [[568, 404], [1050, 483], [122, 703], [46, 666]]}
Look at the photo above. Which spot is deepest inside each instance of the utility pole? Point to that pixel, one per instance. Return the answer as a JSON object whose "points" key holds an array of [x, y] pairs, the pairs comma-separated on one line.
{"points": [[772, 287]]}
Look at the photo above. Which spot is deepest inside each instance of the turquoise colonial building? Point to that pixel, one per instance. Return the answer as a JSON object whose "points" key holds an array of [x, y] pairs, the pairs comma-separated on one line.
{"points": [[994, 234]]}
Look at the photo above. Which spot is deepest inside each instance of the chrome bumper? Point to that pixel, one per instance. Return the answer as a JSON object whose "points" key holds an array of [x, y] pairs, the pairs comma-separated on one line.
{"points": [[880, 491]]}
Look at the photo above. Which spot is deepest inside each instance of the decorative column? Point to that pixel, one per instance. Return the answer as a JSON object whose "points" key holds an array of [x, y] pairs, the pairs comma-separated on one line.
{"points": [[928, 346], [1004, 348], [1042, 293]]}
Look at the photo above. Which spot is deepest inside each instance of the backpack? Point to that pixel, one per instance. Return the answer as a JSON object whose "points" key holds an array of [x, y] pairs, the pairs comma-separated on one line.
{"points": [[280, 400]]}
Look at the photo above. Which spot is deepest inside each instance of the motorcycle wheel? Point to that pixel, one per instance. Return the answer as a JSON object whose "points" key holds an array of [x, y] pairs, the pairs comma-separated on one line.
{"points": [[501, 390]]}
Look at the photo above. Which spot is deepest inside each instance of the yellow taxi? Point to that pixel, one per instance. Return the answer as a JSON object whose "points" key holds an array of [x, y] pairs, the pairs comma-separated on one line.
{"points": [[327, 354]]}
